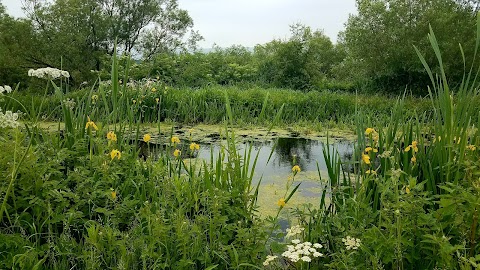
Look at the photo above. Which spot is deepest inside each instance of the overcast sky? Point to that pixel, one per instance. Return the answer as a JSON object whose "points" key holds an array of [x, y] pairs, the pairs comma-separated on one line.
{"points": [[251, 22]]}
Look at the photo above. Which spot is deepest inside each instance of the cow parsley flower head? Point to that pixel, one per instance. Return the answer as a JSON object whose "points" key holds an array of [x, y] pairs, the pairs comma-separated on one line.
{"points": [[294, 231], [306, 259], [8, 119], [299, 251], [69, 103], [48, 73], [5, 88], [351, 242], [269, 259]]}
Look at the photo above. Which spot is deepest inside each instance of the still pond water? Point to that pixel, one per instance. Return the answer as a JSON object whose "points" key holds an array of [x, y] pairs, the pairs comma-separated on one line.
{"points": [[275, 173]]}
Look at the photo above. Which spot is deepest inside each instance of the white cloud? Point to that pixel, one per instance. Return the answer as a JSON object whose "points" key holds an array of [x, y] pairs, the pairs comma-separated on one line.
{"points": [[251, 22]]}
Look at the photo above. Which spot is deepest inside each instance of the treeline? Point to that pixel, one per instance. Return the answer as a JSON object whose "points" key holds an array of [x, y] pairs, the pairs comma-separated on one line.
{"points": [[305, 61], [375, 52]]}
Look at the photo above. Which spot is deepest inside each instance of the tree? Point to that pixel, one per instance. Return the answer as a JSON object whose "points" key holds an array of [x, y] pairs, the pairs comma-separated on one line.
{"points": [[302, 62], [83, 31], [15, 41], [379, 40]]}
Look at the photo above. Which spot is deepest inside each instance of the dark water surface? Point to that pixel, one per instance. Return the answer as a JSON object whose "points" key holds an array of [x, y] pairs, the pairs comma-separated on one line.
{"points": [[306, 153], [275, 173]]}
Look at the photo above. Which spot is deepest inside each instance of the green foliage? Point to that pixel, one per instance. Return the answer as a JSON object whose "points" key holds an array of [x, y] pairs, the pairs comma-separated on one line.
{"points": [[381, 37], [207, 105], [68, 201], [414, 197], [76, 35], [15, 48], [302, 62]]}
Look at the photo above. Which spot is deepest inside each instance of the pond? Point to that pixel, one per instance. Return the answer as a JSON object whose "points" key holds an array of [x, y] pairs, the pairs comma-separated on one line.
{"points": [[307, 148], [275, 172]]}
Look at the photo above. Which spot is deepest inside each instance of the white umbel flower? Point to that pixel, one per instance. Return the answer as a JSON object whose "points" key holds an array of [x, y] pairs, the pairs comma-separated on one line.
{"points": [[294, 231], [306, 259], [5, 88], [317, 254], [269, 259], [351, 242], [8, 119], [48, 73], [8, 89]]}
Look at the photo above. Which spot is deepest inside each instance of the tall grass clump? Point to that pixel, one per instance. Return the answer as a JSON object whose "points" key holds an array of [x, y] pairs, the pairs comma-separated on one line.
{"points": [[151, 100], [412, 201]]}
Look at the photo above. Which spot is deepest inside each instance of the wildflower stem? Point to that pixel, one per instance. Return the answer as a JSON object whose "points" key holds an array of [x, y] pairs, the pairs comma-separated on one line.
{"points": [[14, 176], [473, 230]]}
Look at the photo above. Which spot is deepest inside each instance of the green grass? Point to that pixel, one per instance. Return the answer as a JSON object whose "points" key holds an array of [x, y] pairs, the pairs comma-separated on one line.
{"points": [[254, 106]]}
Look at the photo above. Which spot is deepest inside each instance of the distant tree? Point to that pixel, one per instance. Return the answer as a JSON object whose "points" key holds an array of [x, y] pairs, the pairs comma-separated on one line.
{"points": [[303, 61], [379, 40], [16, 40], [83, 31], [170, 27]]}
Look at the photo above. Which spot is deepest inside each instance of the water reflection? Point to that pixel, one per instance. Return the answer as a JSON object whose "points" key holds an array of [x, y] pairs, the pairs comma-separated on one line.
{"points": [[275, 171], [307, 153]]}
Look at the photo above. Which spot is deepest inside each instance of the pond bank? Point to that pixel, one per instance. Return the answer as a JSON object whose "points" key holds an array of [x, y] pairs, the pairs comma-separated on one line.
{"points": [[277, 150]]}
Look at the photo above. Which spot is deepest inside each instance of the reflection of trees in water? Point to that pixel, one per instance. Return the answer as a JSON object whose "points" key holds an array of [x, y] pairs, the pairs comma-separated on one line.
{"points": [[286, 148]]}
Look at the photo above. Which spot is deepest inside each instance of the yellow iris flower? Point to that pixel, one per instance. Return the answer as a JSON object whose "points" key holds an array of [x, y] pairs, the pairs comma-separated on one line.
{"points": [[194, 146], [111, 136], [147, 138], [175, 140], [412, 146], [366, 159], [369, 131], [91, 124], [115, 154]]}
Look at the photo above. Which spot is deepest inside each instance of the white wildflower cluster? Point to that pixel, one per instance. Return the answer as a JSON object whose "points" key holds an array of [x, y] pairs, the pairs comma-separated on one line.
{"points": [[8, 119], [351, 243], [269, 259], [305, 251], [48, 73], [106, 83], [131, 83], [70, 103], [295, 230], [5, 88], [386, 154], [149, 82]]}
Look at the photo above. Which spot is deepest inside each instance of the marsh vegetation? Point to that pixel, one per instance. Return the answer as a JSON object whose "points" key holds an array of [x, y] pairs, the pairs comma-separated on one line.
{"points": [[149, 166]]}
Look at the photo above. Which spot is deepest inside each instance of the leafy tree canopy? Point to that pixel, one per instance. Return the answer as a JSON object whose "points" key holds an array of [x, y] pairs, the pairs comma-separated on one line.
{"points": [[83, 31], [380, 39]]}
